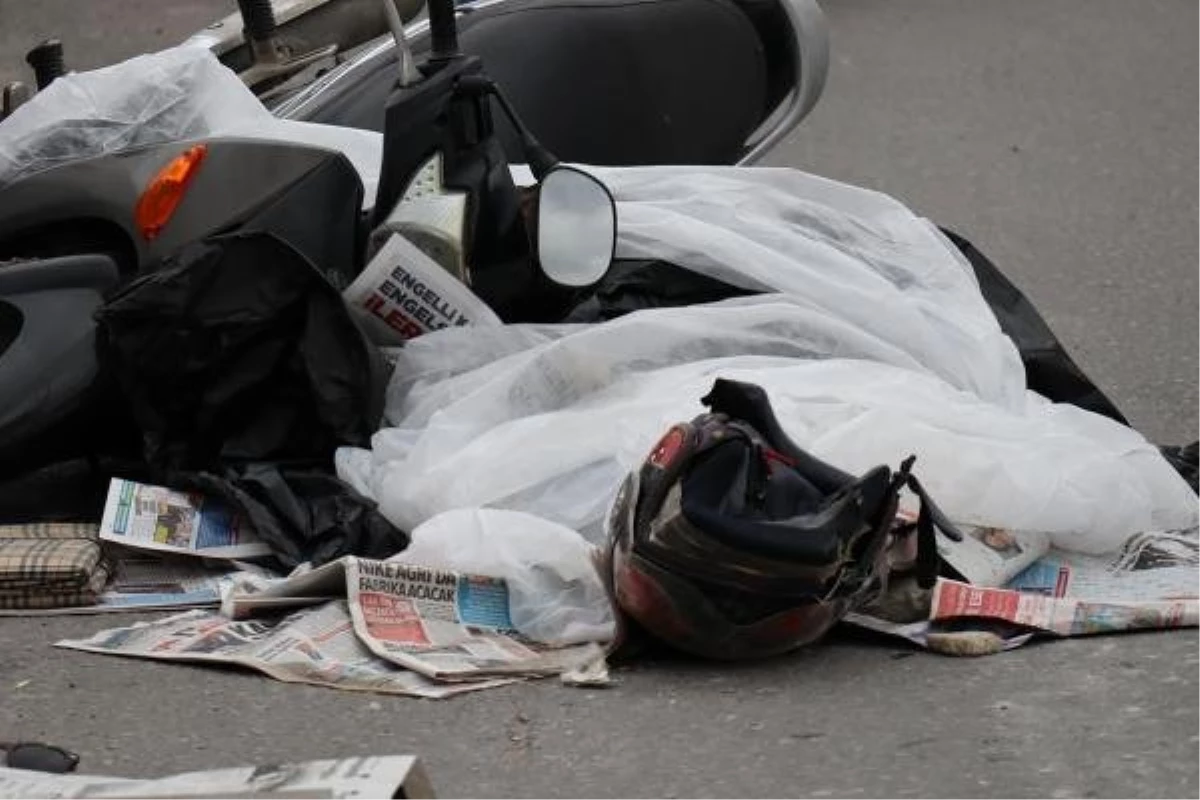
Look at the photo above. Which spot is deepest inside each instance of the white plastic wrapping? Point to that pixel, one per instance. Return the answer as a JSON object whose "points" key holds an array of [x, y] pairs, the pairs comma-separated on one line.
{"points": [[555, 593], [877, 345], [177, 94]]}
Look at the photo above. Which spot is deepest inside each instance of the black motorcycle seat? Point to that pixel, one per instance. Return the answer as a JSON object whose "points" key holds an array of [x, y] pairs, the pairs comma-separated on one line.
{"points": [[680, 81], [629, 82]]}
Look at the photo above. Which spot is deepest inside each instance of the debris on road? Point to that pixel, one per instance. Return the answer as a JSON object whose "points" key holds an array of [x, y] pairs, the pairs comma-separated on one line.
{"points": [[51, 565], [451, 512], [371, 776]]}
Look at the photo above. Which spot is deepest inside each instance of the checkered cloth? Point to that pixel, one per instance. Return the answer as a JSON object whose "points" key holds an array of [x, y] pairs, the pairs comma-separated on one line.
{"points": [[51, 565]]}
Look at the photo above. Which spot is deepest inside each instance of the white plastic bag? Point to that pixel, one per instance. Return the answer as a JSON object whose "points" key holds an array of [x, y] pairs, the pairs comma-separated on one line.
{"points": [[859, 256], [555, 593], [182, 93], [177, 94]]}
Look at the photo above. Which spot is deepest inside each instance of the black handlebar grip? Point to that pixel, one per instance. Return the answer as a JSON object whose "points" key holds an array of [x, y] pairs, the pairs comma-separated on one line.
{"points": [[259, 18], [443, 29], [47, 62]]}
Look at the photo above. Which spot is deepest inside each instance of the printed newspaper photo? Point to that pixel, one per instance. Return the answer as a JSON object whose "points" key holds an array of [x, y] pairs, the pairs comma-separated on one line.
{"points": [[156, 518]]}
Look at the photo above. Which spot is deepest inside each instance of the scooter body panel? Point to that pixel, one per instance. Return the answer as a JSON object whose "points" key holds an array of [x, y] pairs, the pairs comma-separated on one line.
{"points": [[236, 178], [617, 82]]}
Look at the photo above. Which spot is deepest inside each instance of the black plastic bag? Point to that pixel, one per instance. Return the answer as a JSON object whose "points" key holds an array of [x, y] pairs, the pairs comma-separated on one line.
{"points": [[632, 285], [245, 371], [1049, 370], [305, 515]]}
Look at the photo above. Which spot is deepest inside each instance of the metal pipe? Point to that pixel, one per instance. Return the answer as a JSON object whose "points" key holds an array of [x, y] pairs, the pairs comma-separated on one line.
{"points": [[15, 95]]}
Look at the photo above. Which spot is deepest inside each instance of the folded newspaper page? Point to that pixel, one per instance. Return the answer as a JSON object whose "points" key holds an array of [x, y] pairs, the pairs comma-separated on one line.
{"points": [[147, 582], [985, 556], [315, 645], [253, 595], [403, 293], [155, 518], [1151, 582], [1062, 616], [370, 776], [991, 556], [1159, 565], [445, 625]]}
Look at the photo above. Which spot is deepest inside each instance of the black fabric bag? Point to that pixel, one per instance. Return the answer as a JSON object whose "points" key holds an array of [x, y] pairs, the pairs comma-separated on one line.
{"points": [[244, 372]]}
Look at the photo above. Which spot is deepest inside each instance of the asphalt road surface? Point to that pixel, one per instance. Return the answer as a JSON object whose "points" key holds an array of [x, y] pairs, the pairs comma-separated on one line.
{"points": [[1061, 137]]}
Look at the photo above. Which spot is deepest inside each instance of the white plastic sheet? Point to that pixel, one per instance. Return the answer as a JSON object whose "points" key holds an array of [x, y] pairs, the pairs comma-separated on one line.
{"points": [[555, 593], [876, 344], [177, 94]]}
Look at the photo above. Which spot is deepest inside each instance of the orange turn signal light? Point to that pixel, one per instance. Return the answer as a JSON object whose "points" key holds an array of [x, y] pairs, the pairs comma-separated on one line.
{"points": [[162, 195]]}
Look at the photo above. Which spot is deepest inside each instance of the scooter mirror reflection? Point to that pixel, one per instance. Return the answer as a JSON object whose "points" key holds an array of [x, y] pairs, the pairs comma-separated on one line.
{"points": [[576, 227]]}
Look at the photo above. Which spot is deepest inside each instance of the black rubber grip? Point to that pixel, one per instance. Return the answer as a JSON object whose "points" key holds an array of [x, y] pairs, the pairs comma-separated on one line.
{"points": [[443, 29], [259, 18], [47, 62]]}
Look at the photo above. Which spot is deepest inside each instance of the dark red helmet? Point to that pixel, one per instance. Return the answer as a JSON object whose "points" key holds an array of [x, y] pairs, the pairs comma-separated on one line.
{"points": [[731, 542]]}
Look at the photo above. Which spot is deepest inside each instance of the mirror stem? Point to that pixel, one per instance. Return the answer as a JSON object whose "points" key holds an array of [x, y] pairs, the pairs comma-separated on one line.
{"points": [[540, 160], [443, 30]]}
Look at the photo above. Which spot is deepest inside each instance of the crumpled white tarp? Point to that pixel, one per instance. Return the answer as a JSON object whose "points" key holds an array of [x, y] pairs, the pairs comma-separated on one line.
{"points": [[177, 94], [875, 343]]}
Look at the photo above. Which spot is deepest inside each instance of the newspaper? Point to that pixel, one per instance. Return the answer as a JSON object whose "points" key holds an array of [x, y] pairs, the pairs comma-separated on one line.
{"points": [[1151, 582], [1160, 565], [149, 583], [403, 293], [991, 556], [371, 776], [445, 625], [1061, 616], [155, 518], [314, 645]]}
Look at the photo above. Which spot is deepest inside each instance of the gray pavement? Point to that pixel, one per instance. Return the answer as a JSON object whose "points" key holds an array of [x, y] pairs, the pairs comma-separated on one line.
{"points": [[1059, 136]]}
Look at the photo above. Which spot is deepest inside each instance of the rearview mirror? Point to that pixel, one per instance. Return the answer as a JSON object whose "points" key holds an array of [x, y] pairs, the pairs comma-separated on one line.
{"points": [[576, 228]]}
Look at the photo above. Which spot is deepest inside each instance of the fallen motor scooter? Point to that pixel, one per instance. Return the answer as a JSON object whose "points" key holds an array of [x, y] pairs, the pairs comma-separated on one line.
{"points": [[647, 82], [526, 252], [600, 82]]}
